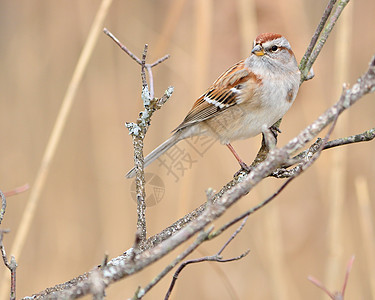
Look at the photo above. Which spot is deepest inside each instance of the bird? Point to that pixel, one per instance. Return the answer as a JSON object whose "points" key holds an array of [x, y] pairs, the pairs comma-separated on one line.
{"points": [[253, 93]]}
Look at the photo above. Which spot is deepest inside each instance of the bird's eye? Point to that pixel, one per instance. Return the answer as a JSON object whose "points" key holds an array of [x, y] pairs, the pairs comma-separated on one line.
{"points": [[274, 48]]}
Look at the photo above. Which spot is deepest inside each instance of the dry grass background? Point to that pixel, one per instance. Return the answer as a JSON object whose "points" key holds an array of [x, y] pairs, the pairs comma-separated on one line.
{"points": [[86, 209]]}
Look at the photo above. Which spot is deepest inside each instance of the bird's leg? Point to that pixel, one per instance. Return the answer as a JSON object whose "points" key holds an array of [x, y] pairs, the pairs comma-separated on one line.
{"points": [[275, 130], [240, 161]]}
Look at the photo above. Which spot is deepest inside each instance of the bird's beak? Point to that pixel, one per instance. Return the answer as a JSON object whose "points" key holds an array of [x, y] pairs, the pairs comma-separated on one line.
{"points": [[258, 50]]}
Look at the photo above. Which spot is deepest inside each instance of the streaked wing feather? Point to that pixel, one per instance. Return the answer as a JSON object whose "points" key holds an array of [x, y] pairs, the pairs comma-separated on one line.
{"points": [[219, 96]]}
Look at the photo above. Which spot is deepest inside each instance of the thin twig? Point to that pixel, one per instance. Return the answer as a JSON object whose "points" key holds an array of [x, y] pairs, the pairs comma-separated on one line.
{"points": [[143, 65], [336, 295], [216, 258], [139, 61], [323, 38], [17, 190], [366, 136], [151, 81], [123, 47], [131, 54], [13, 192], [316, 35], [321, 286], [238, 230], [202, 236], [159, 61], [3, 206], [12, 265], [348, 269], [283, 172]]}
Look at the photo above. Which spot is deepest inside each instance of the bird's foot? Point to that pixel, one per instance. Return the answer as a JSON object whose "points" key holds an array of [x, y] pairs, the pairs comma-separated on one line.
{"points": [[244, 169], [275, 131]]}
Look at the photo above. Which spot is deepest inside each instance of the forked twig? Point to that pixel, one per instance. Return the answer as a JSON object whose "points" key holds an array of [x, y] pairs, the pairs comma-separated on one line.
{"points": [[202, 236], [215, 258], [139, 61], [138, 130], [336, 295]]}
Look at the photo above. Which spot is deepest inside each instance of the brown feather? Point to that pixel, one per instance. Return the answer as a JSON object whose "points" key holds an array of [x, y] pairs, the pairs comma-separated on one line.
{"points": [[220, 95], [265, 37]]}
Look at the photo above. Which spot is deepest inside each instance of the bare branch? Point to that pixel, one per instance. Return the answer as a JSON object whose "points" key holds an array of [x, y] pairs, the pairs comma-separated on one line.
{"points": [[3, 206], [306, 66], [284, 172], [138, 130], [238, 230], [143, 65], [160, 60], [133, 56], [217, 258], [202, 236], [366, 136], [316, 35], [151, 80], [123, 47], [17, 190], [336, 295], [12, 265], [141, 62]]}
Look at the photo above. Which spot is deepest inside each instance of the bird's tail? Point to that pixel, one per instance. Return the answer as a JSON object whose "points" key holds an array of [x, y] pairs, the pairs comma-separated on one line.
{"points": [[175, 138]]}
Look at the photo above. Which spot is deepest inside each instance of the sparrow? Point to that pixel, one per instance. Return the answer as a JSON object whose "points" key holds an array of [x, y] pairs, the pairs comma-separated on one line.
{"points": [[253, 93]]}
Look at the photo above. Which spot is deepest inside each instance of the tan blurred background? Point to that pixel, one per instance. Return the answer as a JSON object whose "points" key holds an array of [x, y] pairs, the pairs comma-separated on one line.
{"points": [[86, 208]]}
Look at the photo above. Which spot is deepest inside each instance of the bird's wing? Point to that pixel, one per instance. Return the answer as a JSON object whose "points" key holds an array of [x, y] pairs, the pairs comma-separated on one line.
{"points": [[232, 87]]}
